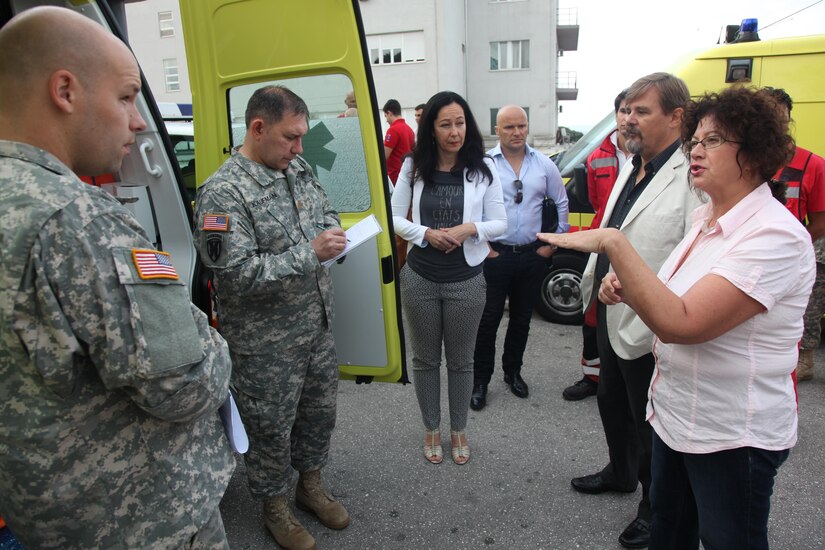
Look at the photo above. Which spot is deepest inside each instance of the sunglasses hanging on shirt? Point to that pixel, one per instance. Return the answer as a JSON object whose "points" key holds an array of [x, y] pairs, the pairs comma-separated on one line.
{"points": [[519, 195]]}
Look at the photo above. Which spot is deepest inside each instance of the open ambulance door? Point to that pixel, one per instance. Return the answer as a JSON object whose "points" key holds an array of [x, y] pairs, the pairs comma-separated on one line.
{"points": [[317, 49]]}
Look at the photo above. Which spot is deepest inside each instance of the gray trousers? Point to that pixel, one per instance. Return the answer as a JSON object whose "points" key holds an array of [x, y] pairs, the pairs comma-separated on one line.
{"points": [[290, 421], [448, 313]]}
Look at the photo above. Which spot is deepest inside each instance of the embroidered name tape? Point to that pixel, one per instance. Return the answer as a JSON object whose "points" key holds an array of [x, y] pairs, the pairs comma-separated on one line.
{"points": [[215, 222], [154, 264]]}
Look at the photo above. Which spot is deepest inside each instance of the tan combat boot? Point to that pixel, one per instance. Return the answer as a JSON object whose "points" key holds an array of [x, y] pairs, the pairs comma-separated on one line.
{"points": [[311, 497], [805, 366], [284, 527]]}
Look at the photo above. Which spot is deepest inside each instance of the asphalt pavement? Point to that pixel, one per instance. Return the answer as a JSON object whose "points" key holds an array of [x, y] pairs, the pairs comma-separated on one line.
{"points": [[515, 492]]}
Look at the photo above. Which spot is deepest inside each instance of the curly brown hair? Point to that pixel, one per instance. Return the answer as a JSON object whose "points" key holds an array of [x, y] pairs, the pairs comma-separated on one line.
{"points": [[749, 116]]}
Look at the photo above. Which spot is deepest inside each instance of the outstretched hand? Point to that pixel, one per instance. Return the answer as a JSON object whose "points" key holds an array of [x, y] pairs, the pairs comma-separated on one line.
{"points": [[592, 240]]}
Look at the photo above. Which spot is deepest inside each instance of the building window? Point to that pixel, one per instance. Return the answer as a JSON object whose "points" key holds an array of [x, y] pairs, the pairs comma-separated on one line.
{"points": [[514, 54], [167, 29], [402, 47], [170, 75]]}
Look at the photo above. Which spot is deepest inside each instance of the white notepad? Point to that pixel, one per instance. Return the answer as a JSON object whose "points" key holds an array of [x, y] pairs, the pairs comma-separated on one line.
{"points": [[357, 235], [233, 426]]}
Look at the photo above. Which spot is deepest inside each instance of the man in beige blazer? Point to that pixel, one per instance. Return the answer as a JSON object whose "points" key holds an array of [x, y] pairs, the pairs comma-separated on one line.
{"points": [[651, 203]]}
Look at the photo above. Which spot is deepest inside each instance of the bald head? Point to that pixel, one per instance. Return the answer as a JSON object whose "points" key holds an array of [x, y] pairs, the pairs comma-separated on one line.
{"points": [[512, 129], [349, 100], [509, 111], [42, 40], [63, 82]]}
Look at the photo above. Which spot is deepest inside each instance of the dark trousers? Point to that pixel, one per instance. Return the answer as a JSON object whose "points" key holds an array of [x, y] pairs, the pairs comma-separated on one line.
{"points": [[622, 398], [722, 498], [517, 275]]}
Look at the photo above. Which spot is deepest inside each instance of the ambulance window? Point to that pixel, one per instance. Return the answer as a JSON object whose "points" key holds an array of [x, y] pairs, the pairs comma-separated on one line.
{"points": [[184, 147], [333, 146]]}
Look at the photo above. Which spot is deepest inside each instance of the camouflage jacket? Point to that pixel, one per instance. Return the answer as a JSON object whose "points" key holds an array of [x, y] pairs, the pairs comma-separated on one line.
{"points": [[253, 229], [109, 378]]}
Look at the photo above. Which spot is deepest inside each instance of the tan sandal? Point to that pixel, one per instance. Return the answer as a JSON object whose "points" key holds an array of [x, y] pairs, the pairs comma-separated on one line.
{"points": [[432, 446], [460, 449]]}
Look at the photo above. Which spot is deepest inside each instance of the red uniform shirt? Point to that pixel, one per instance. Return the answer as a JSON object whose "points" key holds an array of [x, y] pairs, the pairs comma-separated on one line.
{"points": [[400, 138], [805, 178], [602, 171]]}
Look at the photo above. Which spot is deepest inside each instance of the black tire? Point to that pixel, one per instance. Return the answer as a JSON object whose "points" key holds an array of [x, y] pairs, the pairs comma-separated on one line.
{"points": [[560, 296]]}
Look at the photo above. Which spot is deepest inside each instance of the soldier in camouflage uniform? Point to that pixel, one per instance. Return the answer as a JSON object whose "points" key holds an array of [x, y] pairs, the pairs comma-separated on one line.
{"points": [[109, 432], [263, 226]]}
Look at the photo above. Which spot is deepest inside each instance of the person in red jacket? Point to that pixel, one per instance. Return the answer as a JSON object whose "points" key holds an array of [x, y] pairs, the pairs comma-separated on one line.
{"points": [[603, 166], [805, 198], [399, 139]]}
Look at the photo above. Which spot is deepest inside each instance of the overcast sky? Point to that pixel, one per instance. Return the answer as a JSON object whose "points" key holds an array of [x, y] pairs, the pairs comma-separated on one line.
{"points": [[621, 41]]}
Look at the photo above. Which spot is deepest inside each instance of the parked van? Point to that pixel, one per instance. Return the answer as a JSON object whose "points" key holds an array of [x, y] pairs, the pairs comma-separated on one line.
{"points": [[228, 60], [795, 64]]}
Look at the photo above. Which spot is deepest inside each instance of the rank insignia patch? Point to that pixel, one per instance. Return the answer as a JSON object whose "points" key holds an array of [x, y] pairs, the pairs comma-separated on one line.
{"points": [[215, 222], [154, 264]]}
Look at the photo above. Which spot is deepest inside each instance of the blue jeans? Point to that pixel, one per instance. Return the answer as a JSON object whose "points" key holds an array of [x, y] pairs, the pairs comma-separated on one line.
{"points": [[722, 498]]}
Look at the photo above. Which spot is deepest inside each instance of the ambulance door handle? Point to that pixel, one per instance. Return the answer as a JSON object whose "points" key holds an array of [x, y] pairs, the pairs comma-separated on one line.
{"points": [[145, 148]]}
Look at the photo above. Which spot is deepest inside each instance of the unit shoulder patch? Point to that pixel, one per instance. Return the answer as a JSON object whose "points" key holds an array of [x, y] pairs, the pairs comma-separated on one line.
{"points": [[215, 222], [154, 264]]}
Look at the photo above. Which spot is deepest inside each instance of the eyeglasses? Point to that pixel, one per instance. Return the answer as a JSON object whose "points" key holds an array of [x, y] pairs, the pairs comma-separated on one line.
{"points": [[710, 142], [519, 195]]}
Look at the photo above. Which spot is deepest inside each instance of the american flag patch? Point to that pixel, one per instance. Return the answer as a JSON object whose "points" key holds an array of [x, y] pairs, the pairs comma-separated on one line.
{"points": [[215, 222], [154, 264]]}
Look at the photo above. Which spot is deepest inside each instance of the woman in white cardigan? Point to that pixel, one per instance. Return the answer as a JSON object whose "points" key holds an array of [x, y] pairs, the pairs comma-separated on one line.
{"points": [[454, 195]]}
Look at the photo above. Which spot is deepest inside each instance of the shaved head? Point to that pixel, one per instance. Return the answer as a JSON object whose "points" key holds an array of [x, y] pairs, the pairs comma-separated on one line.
{"points": [[42, 40], [66, 85], [509, 111], [512, 129]]}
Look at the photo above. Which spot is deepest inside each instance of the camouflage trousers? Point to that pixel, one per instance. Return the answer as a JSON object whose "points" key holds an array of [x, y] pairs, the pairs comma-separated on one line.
{"points": [[289, 420], [814, 311], [211, 536]]}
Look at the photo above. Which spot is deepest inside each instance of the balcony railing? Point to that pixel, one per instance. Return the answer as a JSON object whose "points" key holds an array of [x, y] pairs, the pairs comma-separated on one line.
{"points": [[567, 88], [567, 29], [567, 16]]}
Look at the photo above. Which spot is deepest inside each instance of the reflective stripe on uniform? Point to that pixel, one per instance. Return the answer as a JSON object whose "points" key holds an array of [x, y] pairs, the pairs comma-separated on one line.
{"points": [[604, 162], [590, 371]]}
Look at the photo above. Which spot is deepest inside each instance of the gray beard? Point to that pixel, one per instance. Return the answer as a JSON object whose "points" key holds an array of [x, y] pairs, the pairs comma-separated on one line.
{"points": [[633, 144]]}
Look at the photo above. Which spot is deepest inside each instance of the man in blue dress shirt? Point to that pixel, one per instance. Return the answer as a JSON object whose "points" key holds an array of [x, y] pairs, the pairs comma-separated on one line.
{"points": [[516, 264]]}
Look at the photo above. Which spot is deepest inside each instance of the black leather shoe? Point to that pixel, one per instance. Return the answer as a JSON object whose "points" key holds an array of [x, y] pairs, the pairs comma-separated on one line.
{"points": [[636, 535], [517, 385], [581, 389], [595, 484], [479, 398]]}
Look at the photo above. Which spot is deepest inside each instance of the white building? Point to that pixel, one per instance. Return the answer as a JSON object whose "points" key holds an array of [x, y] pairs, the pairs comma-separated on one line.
{"points": [[156, 37], [492, 52]]}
